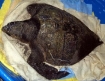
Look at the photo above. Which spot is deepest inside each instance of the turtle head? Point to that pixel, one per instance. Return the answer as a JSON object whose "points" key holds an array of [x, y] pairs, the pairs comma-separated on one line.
{"points": [[13, 29], [24, 31]]}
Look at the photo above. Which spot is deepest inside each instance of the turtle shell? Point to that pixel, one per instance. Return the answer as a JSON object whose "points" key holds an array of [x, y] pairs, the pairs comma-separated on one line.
{"points": [[64, 39]]}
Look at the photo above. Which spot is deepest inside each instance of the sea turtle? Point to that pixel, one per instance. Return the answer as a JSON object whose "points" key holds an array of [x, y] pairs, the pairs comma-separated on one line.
{"points": [[55, 37]]}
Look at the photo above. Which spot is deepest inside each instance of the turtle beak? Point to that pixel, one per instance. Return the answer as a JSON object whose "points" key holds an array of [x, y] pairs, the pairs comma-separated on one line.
{"points": [[6, 30]]}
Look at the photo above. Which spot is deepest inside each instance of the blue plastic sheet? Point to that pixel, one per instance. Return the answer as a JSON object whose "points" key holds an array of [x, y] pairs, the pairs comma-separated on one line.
{"points": [[78, 5], [69, 70], [98, 7]]}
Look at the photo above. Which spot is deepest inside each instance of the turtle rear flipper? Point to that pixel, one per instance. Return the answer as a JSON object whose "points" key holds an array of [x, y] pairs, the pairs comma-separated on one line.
{"points": [[36, 60], [48, 72]]}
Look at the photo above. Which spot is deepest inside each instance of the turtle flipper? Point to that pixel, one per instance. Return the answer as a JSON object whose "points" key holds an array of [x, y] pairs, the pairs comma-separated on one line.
{"points": [[48, 71], [36, 60]]}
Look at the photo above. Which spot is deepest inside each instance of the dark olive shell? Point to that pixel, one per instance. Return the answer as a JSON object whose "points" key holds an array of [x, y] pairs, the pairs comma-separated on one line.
{"points": [[63, 38]]}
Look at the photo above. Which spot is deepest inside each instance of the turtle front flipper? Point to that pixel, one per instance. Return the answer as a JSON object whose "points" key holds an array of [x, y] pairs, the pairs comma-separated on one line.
{"points": [[36, 60]]}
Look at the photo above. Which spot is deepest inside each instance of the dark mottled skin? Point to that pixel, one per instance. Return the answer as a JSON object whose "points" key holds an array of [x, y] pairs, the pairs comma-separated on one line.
{"points": [[55, 37]]}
